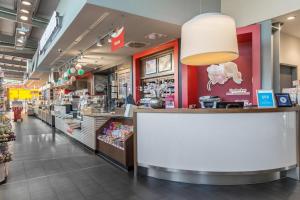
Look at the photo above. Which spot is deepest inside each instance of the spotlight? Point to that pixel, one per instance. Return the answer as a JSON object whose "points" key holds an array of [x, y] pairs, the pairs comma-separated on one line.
{"points": [[291, 18]]}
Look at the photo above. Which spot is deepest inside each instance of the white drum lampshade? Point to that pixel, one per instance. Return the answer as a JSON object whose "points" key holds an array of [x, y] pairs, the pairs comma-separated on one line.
{"points": [[209, 39]]}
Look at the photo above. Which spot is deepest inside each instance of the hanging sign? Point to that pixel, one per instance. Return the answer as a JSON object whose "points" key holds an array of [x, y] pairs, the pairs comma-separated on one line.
{"points": [[118, 39]]}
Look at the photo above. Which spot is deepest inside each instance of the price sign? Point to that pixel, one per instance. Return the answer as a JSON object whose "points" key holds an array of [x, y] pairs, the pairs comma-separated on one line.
{"points": [[265, 99]]}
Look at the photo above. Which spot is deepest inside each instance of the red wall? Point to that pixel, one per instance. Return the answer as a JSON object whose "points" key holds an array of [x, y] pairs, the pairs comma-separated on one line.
{"points": [[194, 79], [244, 66]]}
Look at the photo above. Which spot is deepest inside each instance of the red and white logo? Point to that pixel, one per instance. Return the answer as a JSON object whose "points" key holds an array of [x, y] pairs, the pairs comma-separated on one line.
{"points": [[118, 39]]}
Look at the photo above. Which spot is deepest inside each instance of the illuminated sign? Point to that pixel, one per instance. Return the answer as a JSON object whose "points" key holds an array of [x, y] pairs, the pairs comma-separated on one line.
{"points": [[22, 93]]}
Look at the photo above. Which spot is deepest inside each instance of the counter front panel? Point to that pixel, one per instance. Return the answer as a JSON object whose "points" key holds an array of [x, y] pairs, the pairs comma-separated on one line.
{"points": [[217, 143]]}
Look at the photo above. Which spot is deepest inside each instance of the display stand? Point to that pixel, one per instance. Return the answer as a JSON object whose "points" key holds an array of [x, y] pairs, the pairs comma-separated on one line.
{"points": [[118, 150], [6, 136]]}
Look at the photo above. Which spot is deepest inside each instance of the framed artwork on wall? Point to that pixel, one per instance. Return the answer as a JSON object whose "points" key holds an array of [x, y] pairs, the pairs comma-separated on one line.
{"points": [[151, 66], [165, 63]]}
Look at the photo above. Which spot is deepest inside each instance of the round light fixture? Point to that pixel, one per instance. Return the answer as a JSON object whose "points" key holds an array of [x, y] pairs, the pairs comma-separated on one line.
{"points": [[209, 39], [78, 67], [73, 70], [26, 3], [24, 18], [73, 78], [291, 18], [24, 11], [81, 72]]}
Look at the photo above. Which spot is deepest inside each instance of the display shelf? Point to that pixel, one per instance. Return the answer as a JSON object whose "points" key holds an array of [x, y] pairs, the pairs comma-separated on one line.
{"points": [[117, 146], [6, 136], [115, 141]]}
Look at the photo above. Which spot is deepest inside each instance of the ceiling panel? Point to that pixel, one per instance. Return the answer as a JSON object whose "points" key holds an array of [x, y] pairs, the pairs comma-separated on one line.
{"points": [[10, 4], [46, 8], [7, 27], [36, 33], [291, 27], [102, 56]]}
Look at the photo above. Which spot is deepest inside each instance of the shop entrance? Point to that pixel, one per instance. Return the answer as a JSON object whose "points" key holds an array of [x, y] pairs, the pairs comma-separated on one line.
{"points": [[288, 74]]}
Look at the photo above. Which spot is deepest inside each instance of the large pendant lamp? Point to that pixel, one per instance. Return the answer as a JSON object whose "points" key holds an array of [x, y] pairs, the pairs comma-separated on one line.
{"points": [[209, 39]]}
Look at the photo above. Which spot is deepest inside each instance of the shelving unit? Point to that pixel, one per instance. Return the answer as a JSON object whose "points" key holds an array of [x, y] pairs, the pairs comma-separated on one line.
{"points": [[148, 83], [6, 136]]}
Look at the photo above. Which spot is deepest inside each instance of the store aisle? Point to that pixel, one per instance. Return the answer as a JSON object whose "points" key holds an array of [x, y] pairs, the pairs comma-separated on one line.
{"points": [[48, 166]]}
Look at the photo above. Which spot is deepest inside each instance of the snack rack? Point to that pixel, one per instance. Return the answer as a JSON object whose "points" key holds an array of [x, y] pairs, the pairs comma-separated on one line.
{"points": [[6, 136], [116, 148]]}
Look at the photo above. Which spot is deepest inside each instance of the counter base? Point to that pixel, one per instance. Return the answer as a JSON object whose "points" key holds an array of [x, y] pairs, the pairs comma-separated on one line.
{"points": [[213, 178]]}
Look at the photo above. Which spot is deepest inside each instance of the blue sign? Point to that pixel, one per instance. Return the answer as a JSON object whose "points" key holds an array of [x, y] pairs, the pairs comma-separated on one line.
{"points": [[265, 99], [283, 100]]}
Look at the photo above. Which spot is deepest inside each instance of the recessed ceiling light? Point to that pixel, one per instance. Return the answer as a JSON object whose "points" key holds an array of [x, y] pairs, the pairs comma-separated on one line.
{"points": [[24, 11], [24, 18], [22, 33], [26, 3], [291, 18], [155, 36], [20, 40]]}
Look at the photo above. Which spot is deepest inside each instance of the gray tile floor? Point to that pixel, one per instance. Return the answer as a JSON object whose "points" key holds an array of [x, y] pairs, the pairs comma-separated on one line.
{"points": [[48, 166]]}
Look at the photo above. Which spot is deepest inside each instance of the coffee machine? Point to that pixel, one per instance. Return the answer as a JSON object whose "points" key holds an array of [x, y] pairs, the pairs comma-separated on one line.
{"points": [[209, 101]]}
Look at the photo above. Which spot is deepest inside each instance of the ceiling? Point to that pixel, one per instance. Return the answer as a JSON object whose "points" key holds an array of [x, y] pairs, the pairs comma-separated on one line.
{"points": [[13, 53], [93, 22], [291, 27]]}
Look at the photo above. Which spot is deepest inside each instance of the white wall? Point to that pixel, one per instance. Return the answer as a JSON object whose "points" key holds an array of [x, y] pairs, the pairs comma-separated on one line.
{"points": [[248, 12], [172, 11], [290, 50]]}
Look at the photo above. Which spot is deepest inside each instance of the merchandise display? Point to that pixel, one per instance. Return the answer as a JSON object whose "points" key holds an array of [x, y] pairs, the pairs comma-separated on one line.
{"points": [[17, 108], [116, 134], [156, 88], [6, 135]]}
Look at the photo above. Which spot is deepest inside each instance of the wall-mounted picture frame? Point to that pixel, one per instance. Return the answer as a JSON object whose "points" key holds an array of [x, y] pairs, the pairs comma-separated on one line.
{"points": [[165, 63], [283, 100], [265, 99], [151, 66]]}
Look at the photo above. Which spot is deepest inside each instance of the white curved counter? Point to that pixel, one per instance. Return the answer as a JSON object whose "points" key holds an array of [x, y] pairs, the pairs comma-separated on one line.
{"points": [[211, 146]]}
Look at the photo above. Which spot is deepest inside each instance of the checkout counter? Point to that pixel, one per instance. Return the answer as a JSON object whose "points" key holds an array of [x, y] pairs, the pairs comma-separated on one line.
{"points": [[217, 146]]}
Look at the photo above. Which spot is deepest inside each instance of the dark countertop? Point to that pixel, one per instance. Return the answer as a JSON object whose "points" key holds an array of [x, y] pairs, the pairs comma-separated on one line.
{"points": [[103, 115], [212, 111]]}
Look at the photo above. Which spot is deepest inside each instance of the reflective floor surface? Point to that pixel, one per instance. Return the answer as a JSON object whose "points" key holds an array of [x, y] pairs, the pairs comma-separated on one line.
{"points": [[49, 166]]}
